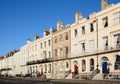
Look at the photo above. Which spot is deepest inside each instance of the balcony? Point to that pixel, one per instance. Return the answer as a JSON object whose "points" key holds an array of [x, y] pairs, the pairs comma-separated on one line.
{"points": [[94, 52], [60, 57], [6, 69], [39, 61]]}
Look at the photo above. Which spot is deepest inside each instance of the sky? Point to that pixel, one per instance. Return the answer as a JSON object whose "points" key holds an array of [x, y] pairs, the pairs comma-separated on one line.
{"points": [[22, 19]]}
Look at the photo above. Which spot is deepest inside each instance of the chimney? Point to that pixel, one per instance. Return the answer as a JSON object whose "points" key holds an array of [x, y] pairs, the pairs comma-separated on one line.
{"points": [[46, 32], [78, 16], [36, 37], [60, 25], [104, 4], [28, 41]]}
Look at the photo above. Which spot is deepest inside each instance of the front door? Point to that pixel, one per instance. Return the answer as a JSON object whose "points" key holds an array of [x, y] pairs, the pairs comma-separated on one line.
{"points": [[104, 67]]}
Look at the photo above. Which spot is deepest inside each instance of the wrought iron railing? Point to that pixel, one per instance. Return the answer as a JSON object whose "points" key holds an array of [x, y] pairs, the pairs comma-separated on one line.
{"points": [[39, 61], [95, 72], [97, 51], [85, 75], [113, 75], [67, 73]]}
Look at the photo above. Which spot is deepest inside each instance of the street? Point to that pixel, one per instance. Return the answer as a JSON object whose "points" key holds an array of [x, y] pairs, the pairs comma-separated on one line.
{"points": [[32, 81], [16, 81]]}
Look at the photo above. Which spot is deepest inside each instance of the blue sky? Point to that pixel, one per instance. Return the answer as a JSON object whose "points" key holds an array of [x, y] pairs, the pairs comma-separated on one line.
{"points": [[22, 19]]}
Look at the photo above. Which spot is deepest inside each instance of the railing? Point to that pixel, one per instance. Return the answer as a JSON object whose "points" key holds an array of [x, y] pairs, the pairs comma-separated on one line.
{"points": [[54, 76], [61, 57], [75, 75], [6, 69], [94, 73], [85, 75], [67, 73], [39, 61], [81, 75], [86, 52], [113, 75]]}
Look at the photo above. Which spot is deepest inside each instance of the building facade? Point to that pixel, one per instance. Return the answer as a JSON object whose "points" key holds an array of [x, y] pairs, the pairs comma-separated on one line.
{"points": [[89, 48], [61, 41]]}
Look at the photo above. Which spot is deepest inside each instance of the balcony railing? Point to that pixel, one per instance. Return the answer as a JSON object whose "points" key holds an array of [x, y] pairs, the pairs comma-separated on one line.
{"points": [[6, 69], [62, 57], [113, 75], [104, 50], [39, 61]]}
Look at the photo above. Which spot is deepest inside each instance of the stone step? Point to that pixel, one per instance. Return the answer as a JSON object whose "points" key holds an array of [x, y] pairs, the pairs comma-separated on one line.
{"points": [[98, 77]]}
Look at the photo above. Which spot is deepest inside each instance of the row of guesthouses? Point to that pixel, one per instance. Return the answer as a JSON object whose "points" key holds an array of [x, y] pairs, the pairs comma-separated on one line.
{"points": [[88, 48]]}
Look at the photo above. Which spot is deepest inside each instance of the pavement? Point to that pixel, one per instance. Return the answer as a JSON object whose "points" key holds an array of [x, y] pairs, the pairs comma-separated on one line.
{"points": [[69, 81]]}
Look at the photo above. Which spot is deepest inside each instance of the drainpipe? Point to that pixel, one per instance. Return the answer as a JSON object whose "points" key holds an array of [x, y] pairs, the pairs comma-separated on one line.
{"points": [[97, 41]]}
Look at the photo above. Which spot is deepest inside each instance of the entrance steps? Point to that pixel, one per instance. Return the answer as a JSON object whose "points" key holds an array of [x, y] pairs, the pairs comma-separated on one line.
{"points": [[98, 77], [69, 76]]}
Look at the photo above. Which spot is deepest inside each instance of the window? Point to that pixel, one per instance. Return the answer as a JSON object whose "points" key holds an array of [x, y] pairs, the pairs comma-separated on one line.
{"points": [[45, 44], [91, 27], [49, 54], [116, 18], [36, 69], [105, 22], [66, 51], [83, 29], [55, 39], [91, 64], [60, 37], [61, 51], [61, 66], [91, 45], [83, 65], [66, 36], [105, 43], [45, 68], [55, 52], [49, 68], [75, 33], [35, 47], [83, 46], [35, 57], [32, 48], [67, 65], [117, 40], [48, 42], [117, 63], [45, 54], [41, 45]]}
